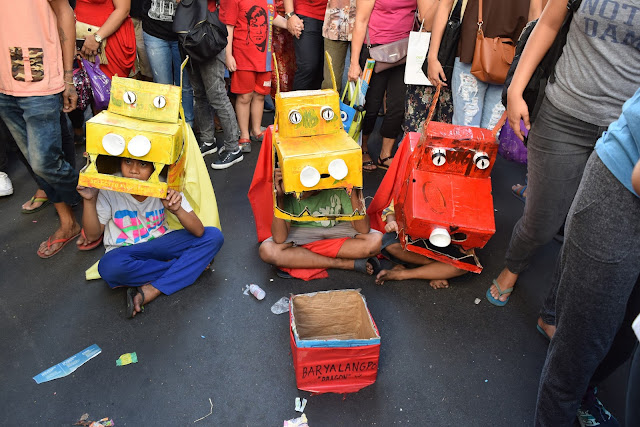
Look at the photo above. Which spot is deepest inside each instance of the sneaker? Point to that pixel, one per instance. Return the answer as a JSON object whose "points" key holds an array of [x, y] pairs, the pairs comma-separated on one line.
{"points": [[6, 188], [245, 145], [593, 413], [208, 148], [229, 159]]}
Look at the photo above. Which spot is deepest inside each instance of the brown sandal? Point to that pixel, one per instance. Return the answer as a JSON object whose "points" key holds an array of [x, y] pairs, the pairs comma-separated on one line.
{"points": [[368, 163], [381, 162]]}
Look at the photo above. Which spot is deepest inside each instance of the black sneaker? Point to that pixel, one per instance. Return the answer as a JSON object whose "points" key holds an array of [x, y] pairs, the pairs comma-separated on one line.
{"points": [[229, 158], [593, 413], [208, 148]]}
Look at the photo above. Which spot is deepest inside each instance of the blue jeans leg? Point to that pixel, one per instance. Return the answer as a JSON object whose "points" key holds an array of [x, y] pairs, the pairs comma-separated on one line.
{"points": [[475, 103], [165, 61], [170, 263], [34, 123]]}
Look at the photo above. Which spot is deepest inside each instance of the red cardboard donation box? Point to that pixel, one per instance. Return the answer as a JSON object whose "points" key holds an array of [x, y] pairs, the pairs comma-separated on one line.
{"points": [[334, 341]]}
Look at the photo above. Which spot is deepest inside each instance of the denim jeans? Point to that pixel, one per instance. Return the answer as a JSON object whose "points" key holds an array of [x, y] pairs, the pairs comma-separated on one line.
{"points": [[309, 55], [209, 90], [165, 60], [558, 149], [475, 103], [34, 123], [170, 262], [598, 294]]}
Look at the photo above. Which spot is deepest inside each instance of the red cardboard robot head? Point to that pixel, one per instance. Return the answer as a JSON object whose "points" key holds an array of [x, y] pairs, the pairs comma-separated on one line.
{"points": [[445, 198]]}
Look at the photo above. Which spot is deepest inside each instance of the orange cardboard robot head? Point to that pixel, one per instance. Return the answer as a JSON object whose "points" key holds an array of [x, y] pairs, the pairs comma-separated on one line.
{"points": [[142, 122], [446, 197], [311, 147]]}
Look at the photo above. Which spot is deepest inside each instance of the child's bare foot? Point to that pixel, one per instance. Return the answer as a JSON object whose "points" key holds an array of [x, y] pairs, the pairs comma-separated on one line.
{"points": [[143, 295], [439, 283], [393, 274]]}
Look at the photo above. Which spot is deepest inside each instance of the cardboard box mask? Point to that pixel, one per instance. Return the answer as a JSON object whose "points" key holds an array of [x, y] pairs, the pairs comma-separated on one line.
{"points": [[143, 123], [445, 199], [311, 147]]}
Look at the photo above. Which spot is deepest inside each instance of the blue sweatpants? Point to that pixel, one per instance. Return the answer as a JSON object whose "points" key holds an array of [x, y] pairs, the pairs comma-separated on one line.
{"points": [[169, 263]]}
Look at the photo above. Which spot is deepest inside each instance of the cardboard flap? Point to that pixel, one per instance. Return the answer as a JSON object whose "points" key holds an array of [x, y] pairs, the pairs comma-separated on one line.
{"points": [[332, 315]]}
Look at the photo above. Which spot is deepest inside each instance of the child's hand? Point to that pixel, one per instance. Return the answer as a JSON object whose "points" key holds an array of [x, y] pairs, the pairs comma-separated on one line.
{"points": [[173, 201], [88, 193], [230, 62], [391, 226], [277, 179]]}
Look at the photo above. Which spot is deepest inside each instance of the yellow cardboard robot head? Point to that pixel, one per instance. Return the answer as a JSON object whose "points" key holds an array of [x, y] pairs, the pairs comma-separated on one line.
{"points": [[142, 122], [310, 145]]}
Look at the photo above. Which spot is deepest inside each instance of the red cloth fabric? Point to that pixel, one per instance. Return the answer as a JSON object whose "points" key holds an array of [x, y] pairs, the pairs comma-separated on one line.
{"points": [[326, 247], [390, 186], [252, 35], [121, 45], [311, 8], [261, 189], [285, 56]]}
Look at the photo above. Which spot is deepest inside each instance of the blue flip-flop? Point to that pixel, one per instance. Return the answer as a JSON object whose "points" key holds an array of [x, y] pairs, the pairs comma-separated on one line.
{"points": [[497, 302], [542, 332]]}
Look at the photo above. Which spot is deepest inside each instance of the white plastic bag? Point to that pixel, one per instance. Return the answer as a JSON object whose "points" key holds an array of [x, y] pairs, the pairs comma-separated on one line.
{"points": [[416, 54]]}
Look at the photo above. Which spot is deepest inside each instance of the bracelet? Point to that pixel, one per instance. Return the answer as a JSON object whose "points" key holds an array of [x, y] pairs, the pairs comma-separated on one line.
{"points": [[68, 71], [69, 83]]}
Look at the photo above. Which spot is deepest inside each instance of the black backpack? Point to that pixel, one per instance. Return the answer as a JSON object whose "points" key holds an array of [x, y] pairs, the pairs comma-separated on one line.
{"points": [[534, 91], [201, 34]]}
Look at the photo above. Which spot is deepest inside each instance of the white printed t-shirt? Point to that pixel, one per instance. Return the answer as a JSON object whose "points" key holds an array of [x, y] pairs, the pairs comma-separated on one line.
{"points": [[127, 221]]}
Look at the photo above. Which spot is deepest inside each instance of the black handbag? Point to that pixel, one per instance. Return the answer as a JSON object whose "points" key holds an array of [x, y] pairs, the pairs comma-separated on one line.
{"points": [[449, 44], [534, 91], [201, 34]]}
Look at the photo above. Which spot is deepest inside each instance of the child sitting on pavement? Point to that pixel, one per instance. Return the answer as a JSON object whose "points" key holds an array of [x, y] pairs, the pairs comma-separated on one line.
{"points": [[347, 245], [142, 252], [435, 271]]}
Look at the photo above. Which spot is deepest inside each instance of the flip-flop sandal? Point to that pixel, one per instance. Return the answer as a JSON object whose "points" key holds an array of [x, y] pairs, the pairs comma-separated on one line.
{"points": [[131, 294], [283, 274], [361, 265], [542, 332], [368, 163], [51, 243], [381, 162], [44, 200], [89, 246], [519, 193], [501, 292], [257, 138]]}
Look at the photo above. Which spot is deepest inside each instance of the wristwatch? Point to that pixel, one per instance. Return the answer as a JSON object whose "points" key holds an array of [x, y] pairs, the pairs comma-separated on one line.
{"points": [[289, 15], [97, 38]]}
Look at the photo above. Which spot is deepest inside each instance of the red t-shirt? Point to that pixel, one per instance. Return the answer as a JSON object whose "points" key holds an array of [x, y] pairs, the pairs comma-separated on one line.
{"points": [[252, 33], [311, 8]]}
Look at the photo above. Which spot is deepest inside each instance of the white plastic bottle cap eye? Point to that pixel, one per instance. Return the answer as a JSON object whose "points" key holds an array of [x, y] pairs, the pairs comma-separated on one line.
{"points": [[129, 97], [327, 113], [295, 117], [139, 146], [113, 144], [159, 101], [440, 237], [309, 176], [438, 156], [338, 169], [481, 159]]}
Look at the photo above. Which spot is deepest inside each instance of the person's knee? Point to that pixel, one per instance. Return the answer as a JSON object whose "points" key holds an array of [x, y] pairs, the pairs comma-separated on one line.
{"points": [[245, 98], [212, 239], [373, 243], [112, 267], [268, 250]]}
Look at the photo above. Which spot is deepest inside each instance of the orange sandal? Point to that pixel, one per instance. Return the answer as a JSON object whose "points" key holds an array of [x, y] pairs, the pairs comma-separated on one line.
{"points": [[54, 242]]}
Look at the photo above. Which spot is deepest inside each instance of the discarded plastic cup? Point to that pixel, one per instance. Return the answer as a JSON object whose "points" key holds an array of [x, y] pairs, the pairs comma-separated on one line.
{"points": [[257, 291], [281, 306]]}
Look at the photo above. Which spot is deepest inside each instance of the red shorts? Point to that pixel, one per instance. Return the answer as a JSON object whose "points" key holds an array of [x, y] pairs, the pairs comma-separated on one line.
{"points": [[251, 81]]}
